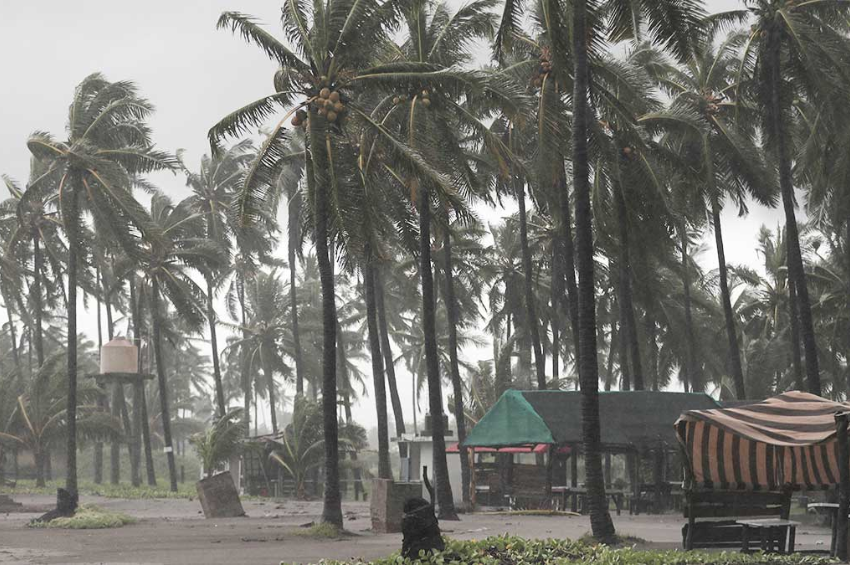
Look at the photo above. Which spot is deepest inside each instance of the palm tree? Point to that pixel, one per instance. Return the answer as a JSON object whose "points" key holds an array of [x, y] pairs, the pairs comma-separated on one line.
{"points": [[108, 141], [174, 246], [795, 51], [322, 79], [700, 120], [213, 188]]}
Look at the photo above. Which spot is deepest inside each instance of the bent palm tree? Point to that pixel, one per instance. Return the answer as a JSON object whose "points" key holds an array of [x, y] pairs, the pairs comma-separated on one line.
{"points": [[108, 142]]}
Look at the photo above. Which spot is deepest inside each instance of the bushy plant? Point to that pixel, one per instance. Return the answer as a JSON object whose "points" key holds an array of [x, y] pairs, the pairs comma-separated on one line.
{"points": [[509, 550], [218, 444], [87, 517]]}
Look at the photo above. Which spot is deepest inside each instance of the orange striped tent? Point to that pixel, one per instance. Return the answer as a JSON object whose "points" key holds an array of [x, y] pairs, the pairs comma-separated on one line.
{"points": [[787, 440]]}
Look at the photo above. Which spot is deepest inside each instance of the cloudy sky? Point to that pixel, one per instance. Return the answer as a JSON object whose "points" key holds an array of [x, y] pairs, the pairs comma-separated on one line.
{"points": [[192, 72]]}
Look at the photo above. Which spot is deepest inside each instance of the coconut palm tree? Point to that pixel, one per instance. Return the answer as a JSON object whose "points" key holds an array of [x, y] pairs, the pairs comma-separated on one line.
{"points": [[213, 188], [174, 246], [795, 52], [700, 122], [108, 142]]}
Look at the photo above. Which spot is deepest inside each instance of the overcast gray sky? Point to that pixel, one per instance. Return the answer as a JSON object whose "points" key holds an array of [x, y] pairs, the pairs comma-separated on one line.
{"points": [[193, 73]]}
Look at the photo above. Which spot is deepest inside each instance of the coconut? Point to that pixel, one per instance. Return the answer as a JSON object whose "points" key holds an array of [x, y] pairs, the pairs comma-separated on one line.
{"points": [[396, 100], [325, 92], [627, 150], [426, 102], [322, 111], [334, 96], [425, 93], [338, 108], [295, 121], [331, 116], [538, 82]]}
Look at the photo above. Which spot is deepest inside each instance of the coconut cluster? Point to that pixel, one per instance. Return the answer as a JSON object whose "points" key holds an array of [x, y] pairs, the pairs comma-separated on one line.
{"points": [[329, 104], [424, 97], [629, 152], [712, 104], [543, 69]]}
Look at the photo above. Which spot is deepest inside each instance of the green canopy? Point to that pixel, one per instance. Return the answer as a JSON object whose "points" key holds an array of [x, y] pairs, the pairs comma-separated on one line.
{"points": [[629, 418]]}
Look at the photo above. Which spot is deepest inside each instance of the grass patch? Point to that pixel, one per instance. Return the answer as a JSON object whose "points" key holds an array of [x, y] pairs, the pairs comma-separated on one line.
{"points": [[108, 490], [508, 550], [322, 530], [88, 517]]}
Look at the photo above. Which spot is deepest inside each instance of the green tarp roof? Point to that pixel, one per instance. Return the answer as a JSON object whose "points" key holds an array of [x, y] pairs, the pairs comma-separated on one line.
{"points": [[554, 416]]}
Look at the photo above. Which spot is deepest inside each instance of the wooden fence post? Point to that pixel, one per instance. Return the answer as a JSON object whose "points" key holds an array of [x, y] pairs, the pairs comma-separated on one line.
{"points": [[843, 486]]}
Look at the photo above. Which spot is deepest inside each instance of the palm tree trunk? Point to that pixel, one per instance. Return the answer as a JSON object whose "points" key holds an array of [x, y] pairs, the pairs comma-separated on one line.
{"points": [[36, 283], [332, 507], [445, 501], [796, 357], [796, 271], [556, 301], [39, 468], [731, 333], [211, 318], [243, 352], [569, 257], [358, 482], [101, 398], [600, 519], [528, 278], [387, 351], [627, 309], [163, 385], [690, 381], [136, 314], [384, 470], [13, 334], [293, 298], [268, 371], [457, 387], [652, 338], [71, 219]]}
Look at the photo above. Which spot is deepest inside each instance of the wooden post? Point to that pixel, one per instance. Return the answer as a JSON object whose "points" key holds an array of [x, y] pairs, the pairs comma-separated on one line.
{"points": [[844, 485], [470, 452]]}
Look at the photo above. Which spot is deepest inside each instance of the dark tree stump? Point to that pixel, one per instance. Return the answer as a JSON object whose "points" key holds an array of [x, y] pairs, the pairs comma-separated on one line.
{"points": [[66, 505], [420, 529]]}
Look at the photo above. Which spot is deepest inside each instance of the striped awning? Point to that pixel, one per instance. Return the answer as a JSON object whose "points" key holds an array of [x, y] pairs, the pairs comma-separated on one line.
{"points": [[787, 440]]}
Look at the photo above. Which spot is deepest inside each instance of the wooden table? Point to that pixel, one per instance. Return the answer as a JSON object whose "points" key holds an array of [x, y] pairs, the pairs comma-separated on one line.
{"points": [[771, 532]]}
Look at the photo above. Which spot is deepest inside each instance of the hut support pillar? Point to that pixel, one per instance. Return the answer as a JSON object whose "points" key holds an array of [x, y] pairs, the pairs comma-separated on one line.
{"points": [[844, 485]]}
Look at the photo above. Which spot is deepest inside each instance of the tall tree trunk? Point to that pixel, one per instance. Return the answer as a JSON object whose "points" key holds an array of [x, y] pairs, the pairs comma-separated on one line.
{"points": [[628, 324], [358, 483], [796, 272], [13, 334], [150, 470], [247, 370], [101, 398], [445, 500], [569, 258], [268, 372], [332, 507], [71, 221], [136, 314], [211, 318], [601, 524], [384, 470], [623, 342], [293, 298], [652, 339], [386, 350], [556, 301], [39, 468], [731, 333], [163, 385], [796, 357], [690, 381], [36, 283], [457, 387], [528, 279]]}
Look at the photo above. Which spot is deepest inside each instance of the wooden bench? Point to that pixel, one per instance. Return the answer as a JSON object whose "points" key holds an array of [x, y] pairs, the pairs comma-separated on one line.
{"points": [[713, 516]]}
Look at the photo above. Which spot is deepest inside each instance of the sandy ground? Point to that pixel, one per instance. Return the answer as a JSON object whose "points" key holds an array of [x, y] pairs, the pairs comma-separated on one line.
{"points": [[175, 532]]}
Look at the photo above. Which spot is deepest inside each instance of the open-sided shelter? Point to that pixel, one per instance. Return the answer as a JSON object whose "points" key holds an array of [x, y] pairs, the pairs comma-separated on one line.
{"points": [[788, 441], [630, 419]]}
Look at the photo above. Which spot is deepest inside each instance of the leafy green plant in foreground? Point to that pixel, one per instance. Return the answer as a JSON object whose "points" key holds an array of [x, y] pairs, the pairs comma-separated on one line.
{"points": [[508, 550]]}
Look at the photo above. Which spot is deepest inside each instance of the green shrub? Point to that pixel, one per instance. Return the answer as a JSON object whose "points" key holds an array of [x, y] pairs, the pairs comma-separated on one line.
{"points": [[507, 550], [88, 517], [107, 490]]}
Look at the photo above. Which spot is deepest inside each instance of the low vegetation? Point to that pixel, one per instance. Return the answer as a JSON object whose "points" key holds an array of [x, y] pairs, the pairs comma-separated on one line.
{"points": [[88, 517], [107, 490], [507, 550]]}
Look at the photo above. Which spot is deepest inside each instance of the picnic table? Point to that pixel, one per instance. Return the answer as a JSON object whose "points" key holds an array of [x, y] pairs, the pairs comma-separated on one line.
{"points": [[775, 534], [577, 495]]}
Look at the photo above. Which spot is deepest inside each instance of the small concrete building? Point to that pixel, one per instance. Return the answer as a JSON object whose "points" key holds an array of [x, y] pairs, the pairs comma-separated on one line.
{"points": [[416, 451]]}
